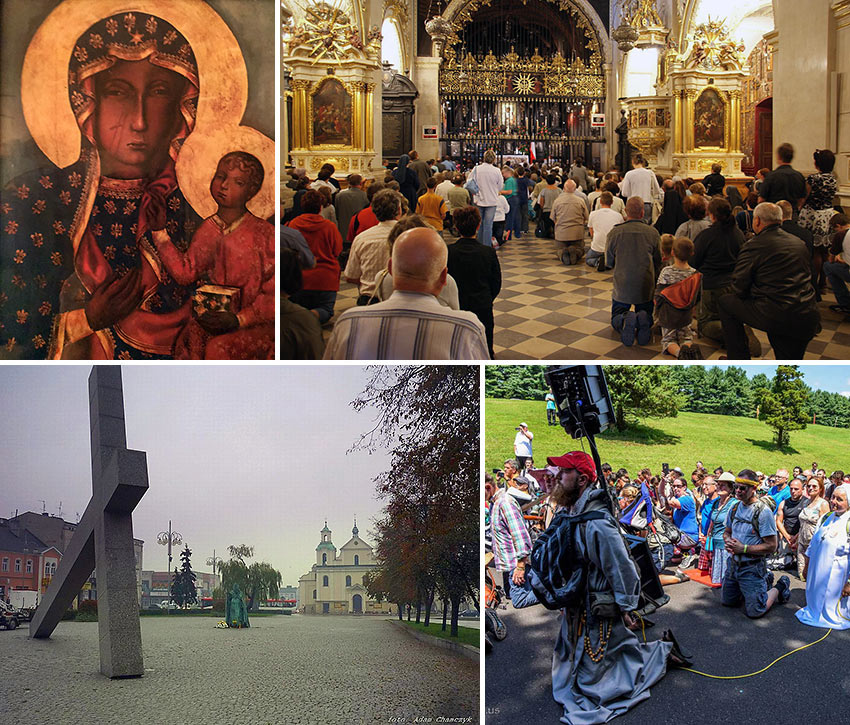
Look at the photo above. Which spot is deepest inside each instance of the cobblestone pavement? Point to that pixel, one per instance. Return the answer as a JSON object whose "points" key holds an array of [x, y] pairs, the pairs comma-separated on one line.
{"points": [[286, 669]]}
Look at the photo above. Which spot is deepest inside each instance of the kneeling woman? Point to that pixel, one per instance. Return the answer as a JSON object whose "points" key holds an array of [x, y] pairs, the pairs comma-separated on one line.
{"points": [[828, 567]]}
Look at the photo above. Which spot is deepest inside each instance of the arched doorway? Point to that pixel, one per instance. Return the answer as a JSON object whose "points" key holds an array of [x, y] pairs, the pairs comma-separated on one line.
{"points": [[523, 79], [357, 604]]}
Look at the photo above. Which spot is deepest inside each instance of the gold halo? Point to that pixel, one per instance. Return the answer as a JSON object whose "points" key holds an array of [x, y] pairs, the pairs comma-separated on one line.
{"points": [[199, 157], [44, 78]]}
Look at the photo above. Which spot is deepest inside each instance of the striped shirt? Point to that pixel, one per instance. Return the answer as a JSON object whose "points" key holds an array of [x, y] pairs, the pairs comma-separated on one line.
{"points": [[369, 255], [407, 326], [511, 541]]}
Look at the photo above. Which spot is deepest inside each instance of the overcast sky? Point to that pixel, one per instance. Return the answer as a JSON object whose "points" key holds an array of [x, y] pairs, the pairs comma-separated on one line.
{"points": [[236, 455]]}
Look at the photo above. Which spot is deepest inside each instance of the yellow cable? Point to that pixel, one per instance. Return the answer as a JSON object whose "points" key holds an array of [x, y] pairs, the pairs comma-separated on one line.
{"points": [[753, 674], [739, 677]]}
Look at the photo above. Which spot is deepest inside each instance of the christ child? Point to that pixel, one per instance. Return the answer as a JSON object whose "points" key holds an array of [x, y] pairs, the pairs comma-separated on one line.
{"points": [[231, 248]]}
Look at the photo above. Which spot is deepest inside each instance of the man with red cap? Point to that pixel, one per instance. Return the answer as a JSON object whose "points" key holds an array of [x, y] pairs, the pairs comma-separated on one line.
{"points": [[599, 668]]}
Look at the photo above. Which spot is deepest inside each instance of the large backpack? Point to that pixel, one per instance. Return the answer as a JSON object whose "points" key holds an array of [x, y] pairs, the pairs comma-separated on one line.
{"points": [[558, 572], [761, 503]]}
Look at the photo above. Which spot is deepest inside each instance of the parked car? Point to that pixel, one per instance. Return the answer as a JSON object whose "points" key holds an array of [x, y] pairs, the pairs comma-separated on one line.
{"points": [[469, 614]]}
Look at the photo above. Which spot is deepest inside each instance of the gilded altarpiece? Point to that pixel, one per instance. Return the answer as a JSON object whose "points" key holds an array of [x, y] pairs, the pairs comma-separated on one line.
{"points": [[332, 56], [705, 81]]}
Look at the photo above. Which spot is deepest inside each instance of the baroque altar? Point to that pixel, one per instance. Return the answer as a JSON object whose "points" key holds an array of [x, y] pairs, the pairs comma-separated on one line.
{"points": [[332, 56], [706, 82]]}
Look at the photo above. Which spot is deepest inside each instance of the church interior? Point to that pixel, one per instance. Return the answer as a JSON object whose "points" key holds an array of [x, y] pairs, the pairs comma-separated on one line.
{"points": [[688, 85]]}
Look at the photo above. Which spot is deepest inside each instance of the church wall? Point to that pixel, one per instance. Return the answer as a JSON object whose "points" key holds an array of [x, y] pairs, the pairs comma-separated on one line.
{"points": [[801, 75]]}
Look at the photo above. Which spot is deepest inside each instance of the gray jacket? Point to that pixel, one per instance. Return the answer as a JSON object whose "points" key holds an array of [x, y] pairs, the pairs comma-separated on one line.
{"points": [[637, 259]]}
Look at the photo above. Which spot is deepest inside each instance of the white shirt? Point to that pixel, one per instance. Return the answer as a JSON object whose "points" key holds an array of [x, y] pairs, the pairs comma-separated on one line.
{"points": [[408, 326], [601, 222], [640, 182], [369, 255], [502, 208], [522, 445], [490, 183], [442, 190]]}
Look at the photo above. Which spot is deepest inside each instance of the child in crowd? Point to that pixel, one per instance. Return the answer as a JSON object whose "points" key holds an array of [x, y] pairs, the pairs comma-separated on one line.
{"points": [[432, 206], [676, 295], [232, 248], [502, 210], [666, 248]]}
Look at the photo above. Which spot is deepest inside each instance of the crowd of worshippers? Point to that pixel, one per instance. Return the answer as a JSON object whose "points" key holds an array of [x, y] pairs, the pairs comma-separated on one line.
{"points": [[688, 257], [733, 529], [419, 298], [557, 535]]}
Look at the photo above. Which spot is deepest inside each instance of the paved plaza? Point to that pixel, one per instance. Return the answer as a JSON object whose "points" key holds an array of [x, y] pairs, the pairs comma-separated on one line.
{"points": [[808, 687], [284, 669]]}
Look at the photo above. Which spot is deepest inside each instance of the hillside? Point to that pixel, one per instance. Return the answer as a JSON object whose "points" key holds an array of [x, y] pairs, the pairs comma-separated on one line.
{"points": [[714, 439]]}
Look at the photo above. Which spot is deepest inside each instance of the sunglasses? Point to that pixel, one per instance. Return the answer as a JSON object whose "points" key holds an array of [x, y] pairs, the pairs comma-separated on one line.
{"points": [[740, 487]]}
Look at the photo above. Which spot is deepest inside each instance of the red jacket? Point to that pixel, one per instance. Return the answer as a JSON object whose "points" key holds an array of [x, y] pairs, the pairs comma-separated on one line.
{"points": [[325, 242], [361, 222]]}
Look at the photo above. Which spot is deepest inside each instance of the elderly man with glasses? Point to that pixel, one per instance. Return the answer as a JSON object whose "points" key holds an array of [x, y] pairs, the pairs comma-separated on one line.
{"points": [[750, 537]]}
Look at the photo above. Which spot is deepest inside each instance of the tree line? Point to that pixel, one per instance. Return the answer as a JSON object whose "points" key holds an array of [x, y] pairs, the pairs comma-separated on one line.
{"points": [[653, 391], [427, 537]]}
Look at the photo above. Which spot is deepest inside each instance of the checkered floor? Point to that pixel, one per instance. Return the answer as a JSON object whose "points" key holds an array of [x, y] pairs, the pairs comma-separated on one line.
{"points": [[547, 311]]}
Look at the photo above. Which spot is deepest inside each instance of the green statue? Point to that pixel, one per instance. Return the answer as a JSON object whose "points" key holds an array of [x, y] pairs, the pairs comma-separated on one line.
{"points": [[236, 611]]}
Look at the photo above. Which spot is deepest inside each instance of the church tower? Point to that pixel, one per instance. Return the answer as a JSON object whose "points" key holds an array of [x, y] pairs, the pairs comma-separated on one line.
{"points": [[325, 551]]}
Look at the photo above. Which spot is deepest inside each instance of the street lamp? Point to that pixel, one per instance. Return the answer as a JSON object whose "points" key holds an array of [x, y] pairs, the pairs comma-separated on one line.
{"points": [[169, 538], [213, 561]]}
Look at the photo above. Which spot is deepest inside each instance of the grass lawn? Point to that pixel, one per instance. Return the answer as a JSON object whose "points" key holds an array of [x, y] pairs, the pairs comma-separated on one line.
{"points": [[465, 635], [716, 440]]}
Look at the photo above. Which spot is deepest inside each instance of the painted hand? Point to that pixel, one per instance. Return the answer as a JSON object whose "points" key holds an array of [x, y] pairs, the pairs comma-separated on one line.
{"points": [[116, 298], [217, 323]]}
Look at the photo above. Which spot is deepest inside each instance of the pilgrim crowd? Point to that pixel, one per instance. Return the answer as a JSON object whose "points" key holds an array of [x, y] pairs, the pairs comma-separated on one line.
{"points": [[689, 258], [742, 531]]}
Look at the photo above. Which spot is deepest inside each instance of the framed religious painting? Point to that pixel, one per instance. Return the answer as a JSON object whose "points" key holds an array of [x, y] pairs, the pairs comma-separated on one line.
{"points": [[332, 113], [709, 120], [138, 179]]}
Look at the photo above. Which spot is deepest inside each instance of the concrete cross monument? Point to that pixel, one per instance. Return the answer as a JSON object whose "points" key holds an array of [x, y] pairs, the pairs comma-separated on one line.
{"points": [[104, 536]]}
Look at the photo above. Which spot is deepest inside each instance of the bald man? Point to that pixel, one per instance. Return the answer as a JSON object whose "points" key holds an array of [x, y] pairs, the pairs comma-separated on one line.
{"points": [[411, 324], [569, 215], [634, 247]]}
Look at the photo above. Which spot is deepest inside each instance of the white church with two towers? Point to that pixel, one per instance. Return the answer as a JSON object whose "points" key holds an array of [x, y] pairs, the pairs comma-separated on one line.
{"points": [[334, 584]]}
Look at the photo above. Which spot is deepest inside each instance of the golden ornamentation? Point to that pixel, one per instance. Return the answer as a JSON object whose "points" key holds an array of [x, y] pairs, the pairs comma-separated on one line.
{"points": [[341, 164], [328, 34], [712, 49], [640, 13], [706, 164], [511, 75], [524, 83]]}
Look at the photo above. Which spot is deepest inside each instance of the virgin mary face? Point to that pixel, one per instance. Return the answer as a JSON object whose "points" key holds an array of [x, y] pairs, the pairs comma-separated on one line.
{"points": [[136, 115]]}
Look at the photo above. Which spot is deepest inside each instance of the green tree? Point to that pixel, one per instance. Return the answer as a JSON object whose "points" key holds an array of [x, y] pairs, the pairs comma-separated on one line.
{"points": [[759, 388], [642, 391], [785, 406], [257, 580], [183, 590], [524, 382]]}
